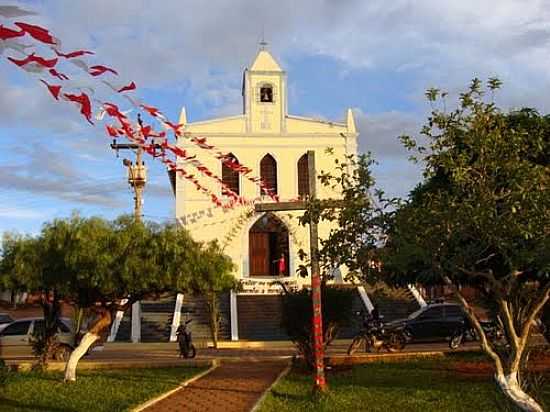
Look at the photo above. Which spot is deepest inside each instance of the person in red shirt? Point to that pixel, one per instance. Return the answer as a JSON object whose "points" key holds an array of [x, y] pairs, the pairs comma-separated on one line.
{"points": [[282, 265]]}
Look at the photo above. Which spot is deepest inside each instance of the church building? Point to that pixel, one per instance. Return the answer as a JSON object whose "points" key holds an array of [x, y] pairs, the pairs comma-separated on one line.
{"points": [[273, 143], [263, 246]]}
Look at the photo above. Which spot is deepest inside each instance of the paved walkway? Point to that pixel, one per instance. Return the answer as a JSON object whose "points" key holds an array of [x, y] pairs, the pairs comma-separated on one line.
{"points": [[232, 387]]}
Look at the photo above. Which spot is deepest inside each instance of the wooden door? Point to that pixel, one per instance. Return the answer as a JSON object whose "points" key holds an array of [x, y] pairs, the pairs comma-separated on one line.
{"points": [[258, 243]]}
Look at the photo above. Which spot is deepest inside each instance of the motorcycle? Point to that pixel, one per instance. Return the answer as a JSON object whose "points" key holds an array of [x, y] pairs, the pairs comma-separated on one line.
{"points": [[466, 333], [492, 330], [374, 335], [185, 341]]}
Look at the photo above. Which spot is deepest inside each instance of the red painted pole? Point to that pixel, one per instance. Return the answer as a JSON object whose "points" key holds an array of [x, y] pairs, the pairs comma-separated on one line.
{"points": [[320, 383]]}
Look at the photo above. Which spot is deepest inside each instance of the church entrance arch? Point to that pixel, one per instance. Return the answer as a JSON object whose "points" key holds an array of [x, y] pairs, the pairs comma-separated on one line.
{"points": [[268, 247]]}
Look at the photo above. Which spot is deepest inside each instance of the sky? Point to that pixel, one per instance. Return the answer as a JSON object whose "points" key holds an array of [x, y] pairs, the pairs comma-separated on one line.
{"points": [[377, 57]]}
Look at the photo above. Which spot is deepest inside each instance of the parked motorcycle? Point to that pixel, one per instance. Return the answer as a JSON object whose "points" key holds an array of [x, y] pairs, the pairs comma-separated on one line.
{"points": [[185, 341], [375, 336], [492, 329], [466, 333]]}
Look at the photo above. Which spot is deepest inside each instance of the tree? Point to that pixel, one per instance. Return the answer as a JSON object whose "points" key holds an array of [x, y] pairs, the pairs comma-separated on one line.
{"points": [[212, 275], [360, 222], [482, 218], [25, 266], [97, 265]]}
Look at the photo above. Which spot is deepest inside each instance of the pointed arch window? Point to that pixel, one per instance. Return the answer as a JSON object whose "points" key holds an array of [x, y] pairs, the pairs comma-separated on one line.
{"points": [[303, 176], [230, 177], [268, 173]]}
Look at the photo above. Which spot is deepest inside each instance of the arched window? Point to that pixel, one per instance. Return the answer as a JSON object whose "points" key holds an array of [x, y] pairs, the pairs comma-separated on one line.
{"points": [[303, 176], [266, 93], [268, 173], [230, 177]]}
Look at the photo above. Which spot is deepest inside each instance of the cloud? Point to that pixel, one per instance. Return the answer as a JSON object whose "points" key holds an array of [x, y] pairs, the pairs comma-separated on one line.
{"points": [[8, 212], [379, 134]]}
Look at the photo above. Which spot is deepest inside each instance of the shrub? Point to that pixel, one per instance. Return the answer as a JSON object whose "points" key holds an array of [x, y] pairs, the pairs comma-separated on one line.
{"points": [[5, 374], [297, 314]]}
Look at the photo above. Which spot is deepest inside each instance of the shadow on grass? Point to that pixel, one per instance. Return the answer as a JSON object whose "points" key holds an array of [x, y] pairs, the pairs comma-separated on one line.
{"points": [[288, 396]]}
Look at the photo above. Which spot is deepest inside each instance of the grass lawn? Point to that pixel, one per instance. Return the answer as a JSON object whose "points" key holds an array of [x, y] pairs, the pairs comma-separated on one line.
{"points": [[416, 385], [96, 391]]}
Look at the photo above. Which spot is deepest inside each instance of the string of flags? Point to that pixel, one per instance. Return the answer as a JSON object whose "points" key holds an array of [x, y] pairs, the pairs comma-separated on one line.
{"points": [[39, 53]]}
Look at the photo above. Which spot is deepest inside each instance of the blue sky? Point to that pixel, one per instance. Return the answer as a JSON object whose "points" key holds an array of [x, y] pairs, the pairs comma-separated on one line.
{"points": [[376, 57]]}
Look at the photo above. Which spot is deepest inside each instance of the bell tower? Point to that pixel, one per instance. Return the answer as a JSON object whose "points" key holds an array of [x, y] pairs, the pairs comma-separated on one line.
{"points": [[264, 95]]}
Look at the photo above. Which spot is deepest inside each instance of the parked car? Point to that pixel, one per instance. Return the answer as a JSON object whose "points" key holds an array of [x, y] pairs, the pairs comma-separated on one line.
{"points": [[15, 338], [435, 322], [5, 320]]}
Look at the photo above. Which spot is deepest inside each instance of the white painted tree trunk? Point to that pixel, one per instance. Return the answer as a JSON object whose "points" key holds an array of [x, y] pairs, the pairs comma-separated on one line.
{"points": [[70, 369], [509, 384]]}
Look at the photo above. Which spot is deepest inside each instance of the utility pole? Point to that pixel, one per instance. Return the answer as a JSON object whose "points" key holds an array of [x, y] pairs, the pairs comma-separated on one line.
{"points": [[137, 177], [137, 173]]}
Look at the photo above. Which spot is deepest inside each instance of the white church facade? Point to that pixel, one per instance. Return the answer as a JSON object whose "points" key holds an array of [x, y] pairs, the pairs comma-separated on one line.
{"points": [[273, 143]]}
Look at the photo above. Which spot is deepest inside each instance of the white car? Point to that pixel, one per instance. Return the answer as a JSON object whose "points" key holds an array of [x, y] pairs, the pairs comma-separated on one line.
{"points": [[15, 338], [5, 320]]}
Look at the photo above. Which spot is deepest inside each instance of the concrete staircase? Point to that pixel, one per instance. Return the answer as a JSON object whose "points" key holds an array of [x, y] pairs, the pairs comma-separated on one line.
{"points": [[260, 317], [125, 328], [156, 318], [194, 307]]}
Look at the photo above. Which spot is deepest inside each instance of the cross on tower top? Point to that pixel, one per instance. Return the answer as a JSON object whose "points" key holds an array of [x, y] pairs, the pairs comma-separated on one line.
{"points": [[263, 43]]}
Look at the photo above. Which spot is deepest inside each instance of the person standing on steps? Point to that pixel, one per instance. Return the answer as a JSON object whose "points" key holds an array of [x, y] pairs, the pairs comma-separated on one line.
{"points": [[281, 265]]}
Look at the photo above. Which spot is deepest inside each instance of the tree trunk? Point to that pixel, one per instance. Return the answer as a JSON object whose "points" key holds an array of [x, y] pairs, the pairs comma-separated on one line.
{"points": [[509, 384], [93, 334], [214, 321], [70, 369]]}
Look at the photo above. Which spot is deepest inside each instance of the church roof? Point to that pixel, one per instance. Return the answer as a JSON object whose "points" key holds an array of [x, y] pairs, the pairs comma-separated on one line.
{"points": [[265, 62]]}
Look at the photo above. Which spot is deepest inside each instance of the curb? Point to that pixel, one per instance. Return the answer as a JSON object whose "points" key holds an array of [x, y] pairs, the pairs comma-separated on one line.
{"points": [[24, 366], [281, 375], [214, 364], [385, 357]]}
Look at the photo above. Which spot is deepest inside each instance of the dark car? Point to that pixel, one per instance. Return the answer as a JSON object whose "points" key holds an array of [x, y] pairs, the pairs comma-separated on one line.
{"points": [[433, 322]]}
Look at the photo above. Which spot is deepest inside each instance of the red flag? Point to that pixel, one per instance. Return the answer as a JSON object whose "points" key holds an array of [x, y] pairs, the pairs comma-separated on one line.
{"points": [[153, 111], [175, 127], [71, 55], [32, 58], [60, 76], [6, 33], [84, 101], [37, 32], [113, 111], [54, 90], [113, 132], [98, 70], [131, 86]]}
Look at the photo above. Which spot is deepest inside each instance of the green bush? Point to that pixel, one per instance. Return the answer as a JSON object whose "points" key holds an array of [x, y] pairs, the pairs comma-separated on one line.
{"points": [[5, 374], [297, 314]]}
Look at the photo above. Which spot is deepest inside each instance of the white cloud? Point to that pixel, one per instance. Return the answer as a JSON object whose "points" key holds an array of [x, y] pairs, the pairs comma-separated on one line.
{"points": [[21, 213]]}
